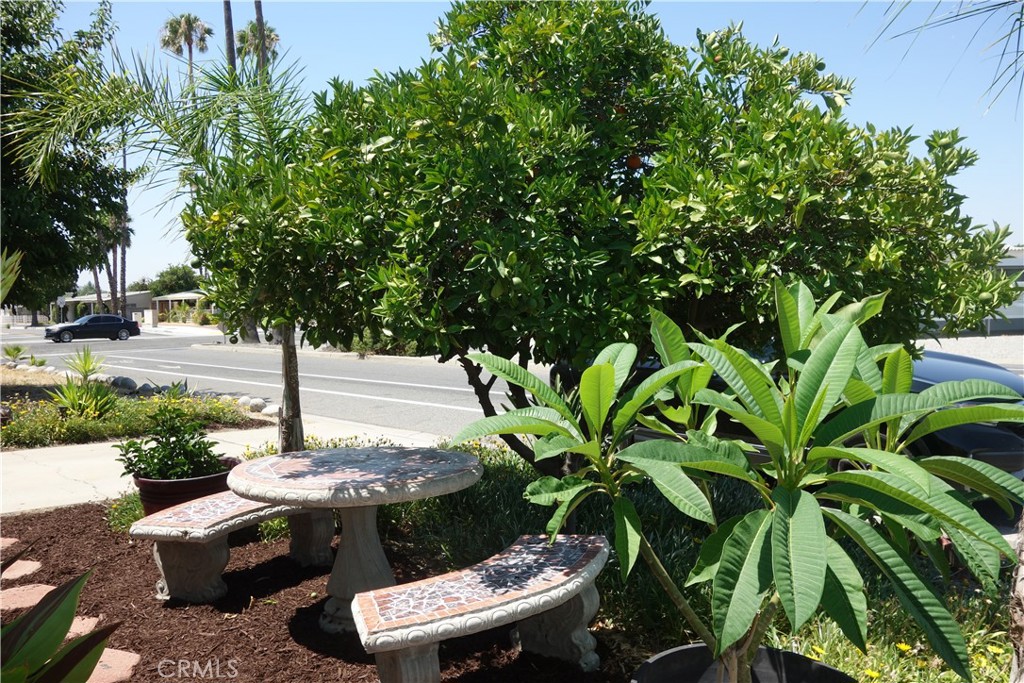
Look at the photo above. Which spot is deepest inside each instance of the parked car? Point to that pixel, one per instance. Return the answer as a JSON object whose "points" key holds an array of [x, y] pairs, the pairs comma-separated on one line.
{"points": [[998, 443], [94, 327]]}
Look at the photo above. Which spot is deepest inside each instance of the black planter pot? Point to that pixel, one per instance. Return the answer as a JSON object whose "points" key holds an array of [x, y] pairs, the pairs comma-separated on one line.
{"points": [[160, 494], [693, 664]]}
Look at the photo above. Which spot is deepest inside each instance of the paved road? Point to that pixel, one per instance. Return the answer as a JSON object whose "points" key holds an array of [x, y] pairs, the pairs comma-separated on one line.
{"points": [[417, 394]]}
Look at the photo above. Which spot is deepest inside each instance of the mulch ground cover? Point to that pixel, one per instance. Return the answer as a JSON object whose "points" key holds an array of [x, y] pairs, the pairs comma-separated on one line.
{"points": [[265, 628]]}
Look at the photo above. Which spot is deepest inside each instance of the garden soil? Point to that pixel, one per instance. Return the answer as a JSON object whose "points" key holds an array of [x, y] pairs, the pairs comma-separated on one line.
{"points": [[265, 629]]}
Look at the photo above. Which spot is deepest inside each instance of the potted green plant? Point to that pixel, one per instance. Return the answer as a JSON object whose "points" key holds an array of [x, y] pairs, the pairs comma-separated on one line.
{"points": [[833, 425], [175, 462]]}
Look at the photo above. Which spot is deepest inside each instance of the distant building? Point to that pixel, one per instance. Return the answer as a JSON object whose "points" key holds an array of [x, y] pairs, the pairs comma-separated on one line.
{"points": [[84, 304]]}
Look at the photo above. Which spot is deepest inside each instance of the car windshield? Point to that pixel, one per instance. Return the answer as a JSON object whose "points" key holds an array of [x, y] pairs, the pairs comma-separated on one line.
{"points": [[83, 320]]}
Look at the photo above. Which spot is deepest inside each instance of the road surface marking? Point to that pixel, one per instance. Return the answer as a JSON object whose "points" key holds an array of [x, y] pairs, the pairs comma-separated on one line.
{"points": [[315, 391]]}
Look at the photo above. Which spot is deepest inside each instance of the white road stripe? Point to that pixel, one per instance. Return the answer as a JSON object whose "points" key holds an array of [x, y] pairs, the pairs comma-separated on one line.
{"points": [[315, 391]]}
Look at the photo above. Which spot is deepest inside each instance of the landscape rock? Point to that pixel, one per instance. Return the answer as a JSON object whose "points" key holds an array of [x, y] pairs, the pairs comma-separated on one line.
{"points": [[35, 368], [124, 384], [103, 378], [272, 409], [146, 389], [244, 401], [257, 404]]}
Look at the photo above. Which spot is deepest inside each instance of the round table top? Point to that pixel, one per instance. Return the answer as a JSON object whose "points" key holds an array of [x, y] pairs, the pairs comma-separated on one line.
{"points": [[354, 477]]}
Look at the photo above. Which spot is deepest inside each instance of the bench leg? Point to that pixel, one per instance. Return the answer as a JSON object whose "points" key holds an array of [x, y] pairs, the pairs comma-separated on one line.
{"points": [[360, 565], [562, 632], [417, 664], [191, 571], [311, 534]]}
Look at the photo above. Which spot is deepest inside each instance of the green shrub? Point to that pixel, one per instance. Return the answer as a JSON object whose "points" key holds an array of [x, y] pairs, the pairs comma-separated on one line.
{"points": [[40, 423], [84, 399], [14, 352], [124, 512], [176, 448]]}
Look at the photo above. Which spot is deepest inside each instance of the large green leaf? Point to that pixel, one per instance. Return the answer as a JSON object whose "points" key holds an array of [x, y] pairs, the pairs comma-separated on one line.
{"points": [[884, 460], [898, 373], [789, 319], [519, 376], [915, 594], [551, 490], [981, 559], [798, 553], [730, 462], [706, 566], [953, 417], [746, 377], [843, 598], [861, 311], [553, 445], [744, 577], [76, 661], [978, 476], [850, 422], [677, 488], [672, 348], [597, 392], [511, 423], [767, 433], [950, 393], [866, 494], [566, 508], [827, 371], [620, 356], [627, 534], [35, 636], [644, 394]]}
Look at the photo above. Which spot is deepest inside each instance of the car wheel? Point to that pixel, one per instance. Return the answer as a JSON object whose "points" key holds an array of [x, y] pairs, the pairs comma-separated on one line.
{"points": [[66, 336], [122, 335]]}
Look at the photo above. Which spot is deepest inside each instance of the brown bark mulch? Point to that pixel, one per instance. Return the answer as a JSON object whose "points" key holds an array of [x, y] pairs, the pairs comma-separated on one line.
{"points": [[265, 629]]}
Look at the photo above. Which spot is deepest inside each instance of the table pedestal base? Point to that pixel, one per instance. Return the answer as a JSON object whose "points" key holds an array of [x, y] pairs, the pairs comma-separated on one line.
{"points": [[359, 566]]}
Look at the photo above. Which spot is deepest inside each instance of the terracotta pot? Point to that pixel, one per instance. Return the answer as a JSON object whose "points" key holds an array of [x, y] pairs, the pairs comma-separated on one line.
{"points": [[160, 494], [693, 664]]}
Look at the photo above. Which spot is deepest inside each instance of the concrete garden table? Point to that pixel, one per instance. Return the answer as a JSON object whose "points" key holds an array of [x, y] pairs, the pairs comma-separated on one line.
{"points": [[354, 481]]}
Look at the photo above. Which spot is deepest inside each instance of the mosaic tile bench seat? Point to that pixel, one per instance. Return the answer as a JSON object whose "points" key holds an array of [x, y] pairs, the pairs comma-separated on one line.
{"points": [[547, 590], [191, 541]]}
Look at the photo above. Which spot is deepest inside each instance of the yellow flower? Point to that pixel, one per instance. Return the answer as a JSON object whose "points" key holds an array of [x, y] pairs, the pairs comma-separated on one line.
{"points": [[818, 649], [871, 673], [995, 649], [903, 647]]}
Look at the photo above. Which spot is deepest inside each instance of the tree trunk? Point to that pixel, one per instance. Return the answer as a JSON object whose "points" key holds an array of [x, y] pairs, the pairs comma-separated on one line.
{"points": [[290, 433], [229, 37], [261, 35], [124, 239], [96, 284], [1017, 609], [111, 269]]}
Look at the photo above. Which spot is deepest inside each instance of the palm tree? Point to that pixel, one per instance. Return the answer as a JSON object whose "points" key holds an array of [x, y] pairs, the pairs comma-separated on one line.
{"points": [[229, 30], [1004, 18], [248, 40], [185, 32]]}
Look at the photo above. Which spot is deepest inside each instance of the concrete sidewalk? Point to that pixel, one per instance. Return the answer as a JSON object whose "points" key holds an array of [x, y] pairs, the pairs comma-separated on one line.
{"points": [[42, 478]]}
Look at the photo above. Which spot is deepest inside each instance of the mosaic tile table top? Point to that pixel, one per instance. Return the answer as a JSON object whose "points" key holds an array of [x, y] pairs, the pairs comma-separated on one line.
{"points": [[354, 477], [527, 578], [206, 518]]}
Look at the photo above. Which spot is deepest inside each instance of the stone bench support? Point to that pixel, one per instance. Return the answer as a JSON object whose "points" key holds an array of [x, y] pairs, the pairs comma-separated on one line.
{"points": [[546, 590], [191, 541]]}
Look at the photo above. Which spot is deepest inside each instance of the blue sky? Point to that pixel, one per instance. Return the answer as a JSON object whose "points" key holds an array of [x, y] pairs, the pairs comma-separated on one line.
{"points": [[934, 80]]}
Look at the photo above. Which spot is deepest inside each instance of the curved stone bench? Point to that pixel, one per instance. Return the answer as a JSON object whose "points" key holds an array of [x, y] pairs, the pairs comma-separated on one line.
{"points": [[547, 590], [191, 541]]}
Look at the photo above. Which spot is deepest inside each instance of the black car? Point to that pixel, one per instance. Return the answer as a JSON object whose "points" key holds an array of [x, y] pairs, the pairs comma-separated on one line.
{"points": [[998, 443], [97, 326]]}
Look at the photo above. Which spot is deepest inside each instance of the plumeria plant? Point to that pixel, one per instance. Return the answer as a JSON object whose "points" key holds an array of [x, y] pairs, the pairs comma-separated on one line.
{"points": [[832, 418]]}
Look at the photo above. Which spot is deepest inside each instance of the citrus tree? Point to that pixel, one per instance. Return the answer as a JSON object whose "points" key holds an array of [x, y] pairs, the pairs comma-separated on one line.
{"points": [[561, 167]]}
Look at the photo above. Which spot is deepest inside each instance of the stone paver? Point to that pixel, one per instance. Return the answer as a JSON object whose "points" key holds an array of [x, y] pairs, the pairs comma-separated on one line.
{"points": [[7, 543], [114, 666], [82, 625], [20, 568], [23, 596]]}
